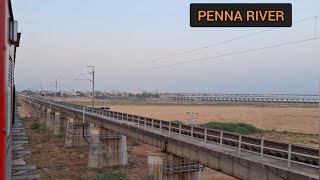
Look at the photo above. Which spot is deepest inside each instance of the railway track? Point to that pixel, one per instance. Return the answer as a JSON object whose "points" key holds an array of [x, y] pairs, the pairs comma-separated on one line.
{"points": [[292, 152]]}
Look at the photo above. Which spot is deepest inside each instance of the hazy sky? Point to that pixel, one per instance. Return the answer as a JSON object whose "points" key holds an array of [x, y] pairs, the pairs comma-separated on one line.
{"points": [[121, 38]]}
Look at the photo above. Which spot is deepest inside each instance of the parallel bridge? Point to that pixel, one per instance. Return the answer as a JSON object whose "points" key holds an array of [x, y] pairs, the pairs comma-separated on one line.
{"points": [[247, 98]]}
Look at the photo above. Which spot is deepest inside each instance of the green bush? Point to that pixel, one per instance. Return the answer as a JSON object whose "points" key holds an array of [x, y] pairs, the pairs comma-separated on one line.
{"points": [[42, 129], [111, 176], [35, 125], [241, 128], [18, 104], [135, 143]]}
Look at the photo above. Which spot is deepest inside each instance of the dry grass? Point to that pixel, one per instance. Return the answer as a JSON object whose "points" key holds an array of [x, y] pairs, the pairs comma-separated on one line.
{"points": [[293, 119], [54, 161]]}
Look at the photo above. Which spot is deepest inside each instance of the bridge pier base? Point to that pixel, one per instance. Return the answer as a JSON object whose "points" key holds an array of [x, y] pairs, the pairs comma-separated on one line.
{"points": [[107, 148], [50, 119], [42, 115], [170, 167], [77, 133], [59, 123], [36, 109], [155, 166]]}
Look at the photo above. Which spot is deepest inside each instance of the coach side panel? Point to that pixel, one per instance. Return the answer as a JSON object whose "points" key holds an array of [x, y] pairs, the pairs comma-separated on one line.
{"points": [[9, 96]]}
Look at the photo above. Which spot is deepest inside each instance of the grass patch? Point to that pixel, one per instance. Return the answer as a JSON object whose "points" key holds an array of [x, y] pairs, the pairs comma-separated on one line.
{"points": [[35, 125], [248, 129], [241, 128], [42, 129], [111, 176], [38, 127], [35, 152], [294, 137], [135, 143]]}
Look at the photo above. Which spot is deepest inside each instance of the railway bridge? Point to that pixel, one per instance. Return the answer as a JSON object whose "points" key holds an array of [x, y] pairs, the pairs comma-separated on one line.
{"points": [[249, 99], [240, 156]]}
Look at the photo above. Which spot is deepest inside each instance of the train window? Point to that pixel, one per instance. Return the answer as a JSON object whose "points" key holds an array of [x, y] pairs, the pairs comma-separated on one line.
{"points": [[13, 31], [10, 72], [9, 95]]}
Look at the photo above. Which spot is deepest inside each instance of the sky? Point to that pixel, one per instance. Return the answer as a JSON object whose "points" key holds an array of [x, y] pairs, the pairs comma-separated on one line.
{"points": [[123, 39]]}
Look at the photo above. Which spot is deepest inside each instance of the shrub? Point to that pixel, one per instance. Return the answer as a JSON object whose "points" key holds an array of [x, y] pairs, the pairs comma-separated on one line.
{"points": [[35, 125], [241, 128], [135, 143], [18, 104], [111, 176], [42, 129], [35, 152]]}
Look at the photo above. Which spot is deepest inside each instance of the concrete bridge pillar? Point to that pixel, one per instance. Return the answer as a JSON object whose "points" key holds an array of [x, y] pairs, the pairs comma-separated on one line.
{"points": [[77, 133], [176, 168], [50, 119], [37, 109], [107, 148], [35, 105], [59, 124], [42, 115], [169, 167], [155, 166]]}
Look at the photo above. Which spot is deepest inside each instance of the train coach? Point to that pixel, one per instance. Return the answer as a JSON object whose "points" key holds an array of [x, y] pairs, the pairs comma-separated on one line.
{"points": [[9, 40]]}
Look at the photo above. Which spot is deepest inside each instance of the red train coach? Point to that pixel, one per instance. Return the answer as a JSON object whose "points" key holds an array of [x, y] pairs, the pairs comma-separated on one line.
{"points": [[9, 41]]}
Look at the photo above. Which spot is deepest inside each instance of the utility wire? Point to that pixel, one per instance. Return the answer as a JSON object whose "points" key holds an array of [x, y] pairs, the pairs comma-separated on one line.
{"points": [[230, 40], [238, 52], [316, 28]]}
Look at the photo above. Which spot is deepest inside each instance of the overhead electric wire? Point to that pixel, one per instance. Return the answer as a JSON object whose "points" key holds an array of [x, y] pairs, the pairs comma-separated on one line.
{"points": [[227, 41], [316, 26], [238, 52]]}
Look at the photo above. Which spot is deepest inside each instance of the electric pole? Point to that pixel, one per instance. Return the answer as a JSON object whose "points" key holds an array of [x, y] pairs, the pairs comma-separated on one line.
{"points": [[56, 85], [319, 128], [41, 89], [92, 72], [192, 118], [92, 80]]}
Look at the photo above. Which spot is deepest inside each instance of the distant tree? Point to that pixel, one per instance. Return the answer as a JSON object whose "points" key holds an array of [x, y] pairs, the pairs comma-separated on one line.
{"points": [[147, 95], [28, 92], [79, 93]]}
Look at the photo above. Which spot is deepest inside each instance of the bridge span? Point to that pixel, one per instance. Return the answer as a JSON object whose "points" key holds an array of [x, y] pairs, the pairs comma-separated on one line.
{"points": [[240, 156], [249, 99]]}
